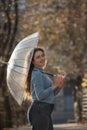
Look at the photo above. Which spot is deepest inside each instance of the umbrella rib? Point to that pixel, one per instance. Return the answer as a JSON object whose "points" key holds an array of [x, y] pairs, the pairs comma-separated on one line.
{"points": [[14, 78], [13, 89], [18, 59], [18, 72], [35, 38], [24, 48], [14, 64], [20, 66], [14, 94], [28, 41]]}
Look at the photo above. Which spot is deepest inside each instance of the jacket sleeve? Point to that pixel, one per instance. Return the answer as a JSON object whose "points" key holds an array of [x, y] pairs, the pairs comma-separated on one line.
{"points": [[38, 84]]}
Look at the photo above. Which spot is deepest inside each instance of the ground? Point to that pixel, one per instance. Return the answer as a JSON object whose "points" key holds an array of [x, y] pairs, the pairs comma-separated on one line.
{"points": [[67, 126]]}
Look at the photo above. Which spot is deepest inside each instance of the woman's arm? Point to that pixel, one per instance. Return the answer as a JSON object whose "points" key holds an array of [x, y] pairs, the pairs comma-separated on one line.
{"points": [[38, 85]]}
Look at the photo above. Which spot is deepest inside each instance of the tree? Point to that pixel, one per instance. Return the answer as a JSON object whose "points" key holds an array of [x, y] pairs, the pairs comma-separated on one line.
{"points": [[8, 29], [76, 29]]}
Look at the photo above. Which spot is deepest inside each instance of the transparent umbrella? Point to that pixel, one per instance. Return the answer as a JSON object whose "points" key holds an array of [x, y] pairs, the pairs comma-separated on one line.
{"points": [[18, 66]]}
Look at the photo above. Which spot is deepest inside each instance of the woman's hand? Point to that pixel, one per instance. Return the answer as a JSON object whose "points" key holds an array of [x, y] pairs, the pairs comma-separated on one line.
{"points": [[58, 81]]}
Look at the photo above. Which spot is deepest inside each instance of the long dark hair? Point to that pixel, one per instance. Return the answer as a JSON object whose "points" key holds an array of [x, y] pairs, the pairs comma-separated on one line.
{"points": [[31, 69]]}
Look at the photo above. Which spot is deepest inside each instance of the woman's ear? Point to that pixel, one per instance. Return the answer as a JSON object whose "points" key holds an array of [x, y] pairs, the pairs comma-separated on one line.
{"points": [[45, 63]]}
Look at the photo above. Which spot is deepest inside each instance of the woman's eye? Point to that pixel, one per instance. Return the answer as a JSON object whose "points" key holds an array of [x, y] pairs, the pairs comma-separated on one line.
{"points": [[40, 56], [37, 57], [43, 55]]}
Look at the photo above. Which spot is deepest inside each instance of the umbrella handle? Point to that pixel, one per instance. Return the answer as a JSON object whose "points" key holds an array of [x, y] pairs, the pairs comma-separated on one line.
{"points": [[50, 74]]}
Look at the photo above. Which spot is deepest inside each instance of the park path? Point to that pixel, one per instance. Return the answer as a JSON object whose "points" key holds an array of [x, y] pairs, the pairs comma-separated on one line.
{"points": [[67, 126]]}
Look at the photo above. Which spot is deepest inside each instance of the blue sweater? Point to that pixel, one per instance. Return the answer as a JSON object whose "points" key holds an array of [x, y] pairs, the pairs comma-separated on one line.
{"points": [[41, 87]]}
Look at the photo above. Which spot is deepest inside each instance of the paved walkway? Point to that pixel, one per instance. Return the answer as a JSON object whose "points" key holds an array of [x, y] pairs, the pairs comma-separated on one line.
{"points": [[70, 126], [67, 126]]}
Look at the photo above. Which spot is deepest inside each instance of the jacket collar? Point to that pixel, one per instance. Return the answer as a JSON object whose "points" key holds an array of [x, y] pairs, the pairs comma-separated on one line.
{"points": [[37, 68]]}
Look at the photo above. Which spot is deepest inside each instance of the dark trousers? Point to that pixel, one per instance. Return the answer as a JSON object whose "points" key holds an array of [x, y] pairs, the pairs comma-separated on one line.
{"points": [[39, 116]]}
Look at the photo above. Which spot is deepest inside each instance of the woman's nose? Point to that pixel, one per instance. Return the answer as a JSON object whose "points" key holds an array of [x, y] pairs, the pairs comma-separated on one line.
{"points": [[41, 57]]}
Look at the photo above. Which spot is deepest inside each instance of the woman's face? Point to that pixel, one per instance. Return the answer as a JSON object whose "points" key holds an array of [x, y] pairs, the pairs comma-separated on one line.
{"points": [[39, 59]]}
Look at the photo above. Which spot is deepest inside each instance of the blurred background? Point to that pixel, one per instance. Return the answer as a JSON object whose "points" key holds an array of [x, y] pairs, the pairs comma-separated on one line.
{"points": [[63, 35]]}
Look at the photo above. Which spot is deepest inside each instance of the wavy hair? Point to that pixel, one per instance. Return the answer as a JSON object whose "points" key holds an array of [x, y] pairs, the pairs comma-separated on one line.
{"points": [[31, 69]]}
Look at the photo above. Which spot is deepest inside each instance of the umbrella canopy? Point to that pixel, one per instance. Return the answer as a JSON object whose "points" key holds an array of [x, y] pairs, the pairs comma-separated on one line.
{"points": [[18, 66]]}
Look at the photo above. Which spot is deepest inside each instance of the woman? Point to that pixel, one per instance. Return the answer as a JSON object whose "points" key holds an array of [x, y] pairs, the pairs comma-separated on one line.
{"points": [[42, 90]]}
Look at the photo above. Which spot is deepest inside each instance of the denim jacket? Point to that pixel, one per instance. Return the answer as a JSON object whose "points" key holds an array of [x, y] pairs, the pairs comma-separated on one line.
{"points": [[41, 87]]}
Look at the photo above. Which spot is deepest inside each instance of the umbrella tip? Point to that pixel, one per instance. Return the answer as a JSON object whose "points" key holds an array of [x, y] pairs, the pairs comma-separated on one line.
{"points": [[36, 34]]}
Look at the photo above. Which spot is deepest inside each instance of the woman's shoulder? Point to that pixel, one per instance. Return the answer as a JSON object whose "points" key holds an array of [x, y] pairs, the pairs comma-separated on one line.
{"points": [[36, 72]]}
